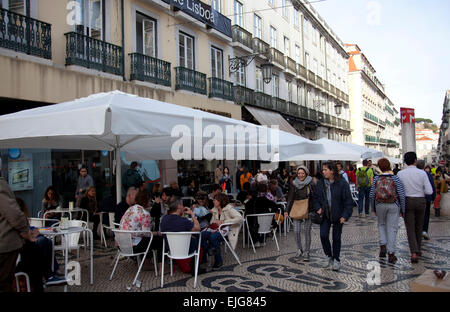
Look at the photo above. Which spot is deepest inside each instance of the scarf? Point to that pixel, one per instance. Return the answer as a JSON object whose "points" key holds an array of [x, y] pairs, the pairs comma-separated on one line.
{"points": [[301, 184], [328, 191]]}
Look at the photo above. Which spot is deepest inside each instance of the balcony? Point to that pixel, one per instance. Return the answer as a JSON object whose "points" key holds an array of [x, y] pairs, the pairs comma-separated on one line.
{"points": [[279, 104], [92, 53], [242, 38], [190, 80], [304, 112], [25, 34], [326, 86], [370, 117], [311, 77], [243, 95], [382, 123], [372, 139], [319, 81], [278, 58], [321, 117], [327, 119], [150, 69], [340, 123], [332, 90], [334, 121], [312, 114], [291, 66], [263, 100], [301, 71], [293, 109], [221, 89], [260, 46]]}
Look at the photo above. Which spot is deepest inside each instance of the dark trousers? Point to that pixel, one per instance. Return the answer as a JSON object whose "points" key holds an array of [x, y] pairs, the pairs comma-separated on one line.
{"points": [[7, 270], [212, 240], [156, 244], [32, 263], [363, 199], [414, 219], [426, 220], [325, 238]]}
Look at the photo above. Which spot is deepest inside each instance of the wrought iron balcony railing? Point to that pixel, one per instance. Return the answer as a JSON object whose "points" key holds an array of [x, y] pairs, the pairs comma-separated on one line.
{"points": [[92, 53], [311, 77], [304, 112], [264, 100], [243, 95], [260, 46], [312, 114], [278, 57], [301, 71], [190, 80], [25, 34], [291, 65], [221, 88], [319, 81], [326, 85], [242, 36], [150, 69], [293, 109], [279, 104]]}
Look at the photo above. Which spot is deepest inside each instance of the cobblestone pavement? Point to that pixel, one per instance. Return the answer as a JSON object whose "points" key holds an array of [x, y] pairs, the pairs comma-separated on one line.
{"points": [[280, 271]]}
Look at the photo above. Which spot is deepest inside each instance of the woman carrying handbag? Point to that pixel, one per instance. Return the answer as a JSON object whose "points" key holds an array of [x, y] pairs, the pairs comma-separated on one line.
{"points": [[300, 206]]}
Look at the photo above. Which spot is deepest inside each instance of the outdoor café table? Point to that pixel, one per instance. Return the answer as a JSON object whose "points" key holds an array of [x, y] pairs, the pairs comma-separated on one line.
{"points": [[69, 211], [56, 231]]}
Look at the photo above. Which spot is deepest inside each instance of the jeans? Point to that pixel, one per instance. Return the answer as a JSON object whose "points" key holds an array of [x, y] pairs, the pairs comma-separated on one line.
{"points": [[426, 221], [388, 215], [212, 240], [45, 246], [363, 197], [306, 225], [325, 238]]}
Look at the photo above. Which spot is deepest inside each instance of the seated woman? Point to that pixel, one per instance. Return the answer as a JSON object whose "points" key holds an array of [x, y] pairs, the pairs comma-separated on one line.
{"points": [[136, 218], [201, 212], [223, 212], [261, 203], [36, 258], [51, 201], [89, 202]]}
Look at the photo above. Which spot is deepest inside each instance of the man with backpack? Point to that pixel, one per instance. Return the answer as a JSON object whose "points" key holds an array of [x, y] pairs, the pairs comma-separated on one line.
{"points": [[417, 186], [132, 177], [364, 179], [387, 197]]}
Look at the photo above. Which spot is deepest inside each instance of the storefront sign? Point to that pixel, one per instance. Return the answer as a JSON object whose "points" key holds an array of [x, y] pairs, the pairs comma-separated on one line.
{"points": [[408, 115], [205, 14], [20, 170]]}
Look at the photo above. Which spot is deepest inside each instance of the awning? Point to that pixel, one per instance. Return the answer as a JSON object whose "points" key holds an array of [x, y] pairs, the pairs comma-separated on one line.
{"points": [[269, 118]]}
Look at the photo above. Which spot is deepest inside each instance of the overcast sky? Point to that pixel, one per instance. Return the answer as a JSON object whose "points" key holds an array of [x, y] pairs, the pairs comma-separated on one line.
{"points": [[406, 41]]}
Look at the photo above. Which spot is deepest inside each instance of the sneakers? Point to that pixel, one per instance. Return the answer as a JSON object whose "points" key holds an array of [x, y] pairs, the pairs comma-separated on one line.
{"points": [[392, 258], [217, 266], [425, 235], [299, 253], [306, 257], [329, 263], [257, 244], [336, 265], [382, 251], [361, 216], [55, 280]]}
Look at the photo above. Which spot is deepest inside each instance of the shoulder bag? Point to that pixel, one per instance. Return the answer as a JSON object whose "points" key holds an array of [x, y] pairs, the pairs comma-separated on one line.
{"points": [[299, 210]]}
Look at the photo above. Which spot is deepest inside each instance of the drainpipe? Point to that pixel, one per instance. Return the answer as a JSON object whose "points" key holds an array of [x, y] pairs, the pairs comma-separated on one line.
{"points": [[123, 41]]}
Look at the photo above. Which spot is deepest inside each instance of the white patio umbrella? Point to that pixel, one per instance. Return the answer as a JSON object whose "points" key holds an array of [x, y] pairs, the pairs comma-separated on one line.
{"points": [[366, 152], [331, 150], [141, 127]]}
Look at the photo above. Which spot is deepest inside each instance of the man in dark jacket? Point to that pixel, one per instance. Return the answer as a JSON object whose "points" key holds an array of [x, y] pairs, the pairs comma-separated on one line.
{"points": [[334, 200], [132, 177]]}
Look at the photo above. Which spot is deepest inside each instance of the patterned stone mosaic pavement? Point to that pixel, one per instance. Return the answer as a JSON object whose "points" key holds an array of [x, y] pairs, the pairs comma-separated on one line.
{"points": [[279, 271]]}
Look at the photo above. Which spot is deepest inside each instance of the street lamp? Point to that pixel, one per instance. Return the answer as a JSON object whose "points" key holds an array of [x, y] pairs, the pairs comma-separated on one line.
{"points": [[338, 108], [239, 62], [445, 125], [378, 133]]}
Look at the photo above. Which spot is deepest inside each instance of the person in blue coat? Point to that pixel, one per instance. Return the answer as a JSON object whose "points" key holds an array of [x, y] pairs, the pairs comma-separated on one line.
{"points": [[333, 201]]}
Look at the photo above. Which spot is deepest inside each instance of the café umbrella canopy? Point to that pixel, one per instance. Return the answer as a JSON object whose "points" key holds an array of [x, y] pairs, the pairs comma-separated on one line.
{"points": [[145, 129], [366, 152]]}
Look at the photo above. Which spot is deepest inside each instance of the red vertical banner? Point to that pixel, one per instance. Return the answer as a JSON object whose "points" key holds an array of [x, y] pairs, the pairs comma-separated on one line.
{"points": [[407, 115]]}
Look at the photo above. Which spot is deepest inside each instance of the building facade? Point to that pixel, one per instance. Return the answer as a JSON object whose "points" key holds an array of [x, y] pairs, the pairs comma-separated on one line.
{"points": [[443, 148], [374, 117], [426, 142]]}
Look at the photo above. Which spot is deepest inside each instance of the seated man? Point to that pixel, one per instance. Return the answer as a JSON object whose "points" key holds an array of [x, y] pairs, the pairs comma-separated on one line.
{"points": [[276, 190], [216, 189], [123, 206], [174, 222]]}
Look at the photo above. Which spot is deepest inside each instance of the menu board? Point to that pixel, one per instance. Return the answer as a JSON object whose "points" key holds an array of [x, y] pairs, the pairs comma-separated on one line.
{"points": [[20, 170]]}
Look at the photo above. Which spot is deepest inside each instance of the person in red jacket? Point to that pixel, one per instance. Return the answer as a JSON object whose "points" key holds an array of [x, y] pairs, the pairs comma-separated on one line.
{"points": [[351, 174]]}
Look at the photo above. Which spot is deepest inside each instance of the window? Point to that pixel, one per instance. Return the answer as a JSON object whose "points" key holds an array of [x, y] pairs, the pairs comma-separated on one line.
{"points": [[307, 64], [240, 76], [17, 6], [238, 11], [306, 26], [259, 80], [286, 46], [273, 37], [216, 63], [275, 86], [284, 9], [257, 33], [145, 35], [289, 90], [91, 21], [300, 95], [316, 67], [186, 50], [217, 5], [296, 17], [298, 54], [314, 36]]}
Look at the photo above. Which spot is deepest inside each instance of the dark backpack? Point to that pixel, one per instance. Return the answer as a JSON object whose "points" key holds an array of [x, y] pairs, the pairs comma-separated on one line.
{"points": [[385, 191]]}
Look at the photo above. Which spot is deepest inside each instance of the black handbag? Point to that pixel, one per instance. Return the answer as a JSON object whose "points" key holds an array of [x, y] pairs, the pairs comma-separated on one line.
{"points": [[316, 218]]}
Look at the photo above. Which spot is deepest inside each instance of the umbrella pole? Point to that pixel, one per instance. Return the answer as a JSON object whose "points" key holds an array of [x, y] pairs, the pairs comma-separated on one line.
{"points": [[118, 175]]}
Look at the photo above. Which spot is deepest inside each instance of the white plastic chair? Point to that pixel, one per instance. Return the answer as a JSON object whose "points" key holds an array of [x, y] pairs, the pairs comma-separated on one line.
{"points": [[265, 227], [227, 243], [110, 227], [73, 239], [19, 274], [178, 245], [124, 240], [354, 192]]}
